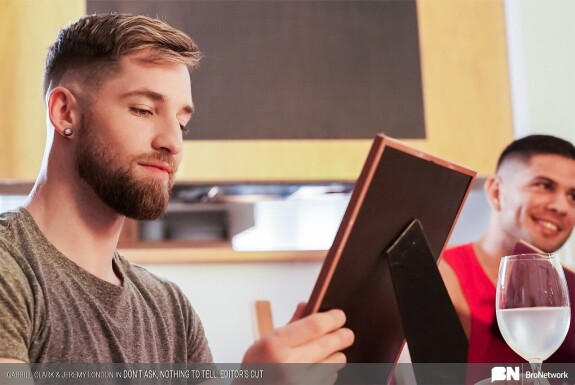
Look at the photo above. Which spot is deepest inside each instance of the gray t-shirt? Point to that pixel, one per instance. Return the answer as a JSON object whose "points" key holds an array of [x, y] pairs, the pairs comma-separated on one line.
{"points": [[52, 310]]}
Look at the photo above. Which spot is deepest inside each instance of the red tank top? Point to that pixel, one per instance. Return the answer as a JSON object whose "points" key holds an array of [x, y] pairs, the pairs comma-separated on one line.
{"points": [[486, 345]]}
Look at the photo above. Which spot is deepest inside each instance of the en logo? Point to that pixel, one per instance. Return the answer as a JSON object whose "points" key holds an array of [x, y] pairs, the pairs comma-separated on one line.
{"points": [[502, 373]]}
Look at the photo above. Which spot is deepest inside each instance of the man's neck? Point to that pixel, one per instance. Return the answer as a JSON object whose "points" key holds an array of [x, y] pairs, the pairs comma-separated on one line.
{"points": [[78, 224]]}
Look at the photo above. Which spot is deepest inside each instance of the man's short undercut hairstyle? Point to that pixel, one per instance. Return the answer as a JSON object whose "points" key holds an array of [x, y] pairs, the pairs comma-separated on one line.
{"points": [[93, 46], [525, 148]]}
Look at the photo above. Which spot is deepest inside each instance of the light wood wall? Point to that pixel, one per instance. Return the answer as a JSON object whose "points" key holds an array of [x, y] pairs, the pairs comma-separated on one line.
{"points": [[27, 28], [465, 86]]}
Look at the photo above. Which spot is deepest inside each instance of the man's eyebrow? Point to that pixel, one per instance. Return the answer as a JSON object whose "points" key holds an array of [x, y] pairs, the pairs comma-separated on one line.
{"points": [[145, 92], [189, 108], [542, 178]]}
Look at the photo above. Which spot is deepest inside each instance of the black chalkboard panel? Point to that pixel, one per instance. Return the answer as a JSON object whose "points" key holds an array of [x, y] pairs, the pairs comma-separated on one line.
{"points": [[331, 69]]}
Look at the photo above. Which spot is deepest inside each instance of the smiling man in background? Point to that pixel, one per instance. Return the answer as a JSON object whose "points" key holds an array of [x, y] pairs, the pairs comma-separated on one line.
{"points": [[532, 198]]}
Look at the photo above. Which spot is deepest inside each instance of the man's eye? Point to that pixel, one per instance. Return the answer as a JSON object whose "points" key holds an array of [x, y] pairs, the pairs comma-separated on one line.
{"points": [[543, 186], [140, 111]]}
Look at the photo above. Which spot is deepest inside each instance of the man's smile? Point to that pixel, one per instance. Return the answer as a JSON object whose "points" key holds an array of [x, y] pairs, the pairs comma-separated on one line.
{"points": [[548, 225]]}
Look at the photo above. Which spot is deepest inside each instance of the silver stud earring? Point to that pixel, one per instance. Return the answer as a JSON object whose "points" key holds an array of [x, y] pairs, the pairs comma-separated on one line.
{"points": [[68, 132]]}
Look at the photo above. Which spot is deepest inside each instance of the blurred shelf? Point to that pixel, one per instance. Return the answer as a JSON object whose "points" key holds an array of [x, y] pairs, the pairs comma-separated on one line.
{"points": [[198, 254]]}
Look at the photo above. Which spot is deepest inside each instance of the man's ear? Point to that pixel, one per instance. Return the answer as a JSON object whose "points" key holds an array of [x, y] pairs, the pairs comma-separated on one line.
{"points": [[63, 111], [492, 188]]}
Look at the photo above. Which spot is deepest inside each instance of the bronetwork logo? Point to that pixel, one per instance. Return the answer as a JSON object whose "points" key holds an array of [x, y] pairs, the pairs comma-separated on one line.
{"points": [[508, 373], [505, 373]]}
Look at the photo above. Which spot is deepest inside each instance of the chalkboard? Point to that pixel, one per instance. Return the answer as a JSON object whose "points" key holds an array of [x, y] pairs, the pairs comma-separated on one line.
{"points": [[272, 69]]}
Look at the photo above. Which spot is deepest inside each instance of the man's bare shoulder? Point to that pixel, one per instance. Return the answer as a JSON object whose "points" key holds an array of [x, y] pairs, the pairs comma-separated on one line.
{"points": [[451, 281]]}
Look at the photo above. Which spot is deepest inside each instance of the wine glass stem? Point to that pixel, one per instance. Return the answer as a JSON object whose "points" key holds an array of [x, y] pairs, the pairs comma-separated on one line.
{"points": [[536, 368]]}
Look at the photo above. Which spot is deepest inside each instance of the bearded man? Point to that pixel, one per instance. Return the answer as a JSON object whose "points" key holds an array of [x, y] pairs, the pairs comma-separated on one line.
{"points": [[118, 97]]}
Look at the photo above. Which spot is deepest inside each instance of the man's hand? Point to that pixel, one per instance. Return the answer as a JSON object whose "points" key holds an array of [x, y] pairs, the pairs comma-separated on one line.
{"points": [[316, 339]]}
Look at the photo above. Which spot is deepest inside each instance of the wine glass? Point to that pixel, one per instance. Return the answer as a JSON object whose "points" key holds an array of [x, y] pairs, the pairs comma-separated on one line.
{"points": [[532, 305]]}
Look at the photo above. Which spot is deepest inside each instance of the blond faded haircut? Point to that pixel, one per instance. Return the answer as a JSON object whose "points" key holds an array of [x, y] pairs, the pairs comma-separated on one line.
{"points": [[93, 46]]}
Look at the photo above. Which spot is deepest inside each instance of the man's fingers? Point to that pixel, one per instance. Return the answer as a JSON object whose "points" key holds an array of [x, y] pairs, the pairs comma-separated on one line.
{"points": [[312, 339], [337, 358], [325, 348], [311, 327]]}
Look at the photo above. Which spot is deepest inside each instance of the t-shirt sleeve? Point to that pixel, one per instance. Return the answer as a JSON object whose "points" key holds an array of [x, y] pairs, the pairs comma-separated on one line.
{"points": [[15, 309], [198, 348]]}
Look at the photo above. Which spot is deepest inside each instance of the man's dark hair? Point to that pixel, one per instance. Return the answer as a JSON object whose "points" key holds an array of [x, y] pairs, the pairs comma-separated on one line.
{"points": [[523, 149]]}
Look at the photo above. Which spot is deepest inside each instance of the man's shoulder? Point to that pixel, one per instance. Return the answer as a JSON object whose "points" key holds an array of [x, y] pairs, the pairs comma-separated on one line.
{"points": [[9, 234], [14, 269], [10, 265], [16, 226], [8, 221], [20, 238], [145, 279], [156, 291]]}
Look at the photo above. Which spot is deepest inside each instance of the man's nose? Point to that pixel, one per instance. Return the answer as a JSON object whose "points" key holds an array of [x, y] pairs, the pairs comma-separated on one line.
{"points": [[560, 202], [168, 137]]}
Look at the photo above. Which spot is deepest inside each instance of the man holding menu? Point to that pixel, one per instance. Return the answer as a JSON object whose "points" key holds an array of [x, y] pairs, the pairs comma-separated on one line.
{"points": [[118, 97]]}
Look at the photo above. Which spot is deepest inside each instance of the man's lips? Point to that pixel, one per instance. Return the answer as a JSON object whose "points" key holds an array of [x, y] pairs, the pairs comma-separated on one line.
{"points": [[157, 165], [547, 224]]}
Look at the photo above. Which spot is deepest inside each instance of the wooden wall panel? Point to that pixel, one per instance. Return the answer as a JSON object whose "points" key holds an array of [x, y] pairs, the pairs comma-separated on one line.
{"points": [[465, 87], [27, 28]]}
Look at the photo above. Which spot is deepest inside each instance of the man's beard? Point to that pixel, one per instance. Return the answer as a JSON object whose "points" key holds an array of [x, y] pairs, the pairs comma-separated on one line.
{"points": [[115, 183]]}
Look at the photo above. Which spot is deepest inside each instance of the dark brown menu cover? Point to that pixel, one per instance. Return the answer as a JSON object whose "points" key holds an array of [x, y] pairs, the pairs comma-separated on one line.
{"points": [[397, 185]]}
